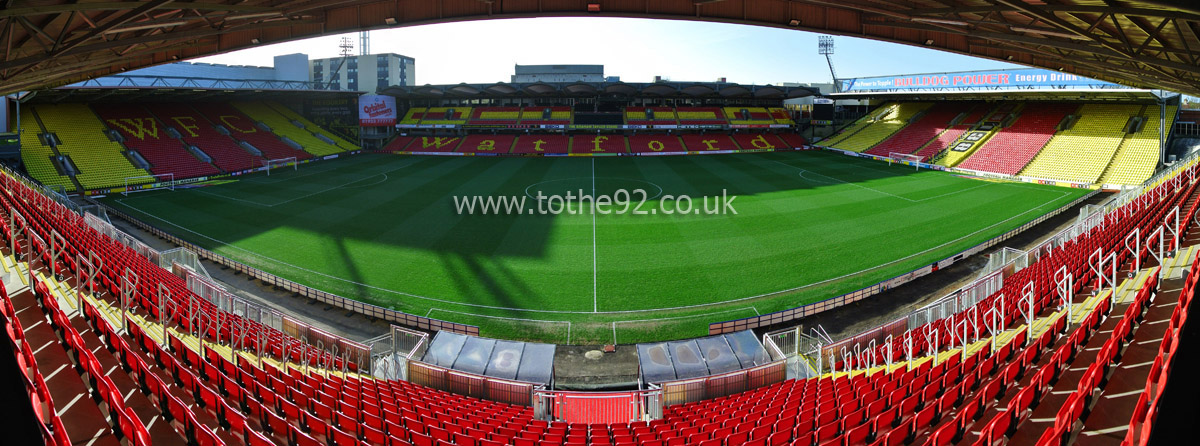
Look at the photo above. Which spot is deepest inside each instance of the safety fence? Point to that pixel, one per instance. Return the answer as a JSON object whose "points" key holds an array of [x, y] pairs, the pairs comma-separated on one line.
{"points": [[225, 301], [404, 345], [183, 257]]}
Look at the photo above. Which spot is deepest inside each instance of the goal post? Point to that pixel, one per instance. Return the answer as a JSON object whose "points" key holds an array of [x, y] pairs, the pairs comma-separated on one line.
{"points": [[280, 162], [160, 181], [914, 160]]}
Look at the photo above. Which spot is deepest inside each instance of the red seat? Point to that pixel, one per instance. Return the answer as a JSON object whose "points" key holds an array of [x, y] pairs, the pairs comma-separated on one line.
{"points": [[337, 437]]}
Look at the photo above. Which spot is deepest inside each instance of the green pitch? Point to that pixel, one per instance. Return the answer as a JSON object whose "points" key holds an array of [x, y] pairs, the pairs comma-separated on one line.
{"points": [[384, 229]]}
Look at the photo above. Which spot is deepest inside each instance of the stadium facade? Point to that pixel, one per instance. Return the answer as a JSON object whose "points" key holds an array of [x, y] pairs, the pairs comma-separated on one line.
{"points": [[368, 73]]}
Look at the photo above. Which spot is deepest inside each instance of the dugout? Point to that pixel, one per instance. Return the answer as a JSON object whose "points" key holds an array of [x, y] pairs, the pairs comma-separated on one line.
{"points": [[518, 361], [695, 358]]}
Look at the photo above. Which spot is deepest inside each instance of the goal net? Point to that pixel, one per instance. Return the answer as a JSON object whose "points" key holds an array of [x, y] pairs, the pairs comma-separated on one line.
{"points": [[280, 162], [148, 182], [905, 158]]}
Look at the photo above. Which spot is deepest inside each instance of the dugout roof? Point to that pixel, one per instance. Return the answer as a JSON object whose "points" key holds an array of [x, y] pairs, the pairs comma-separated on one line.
{"points": [[694, 358], [520, 361], [1140, 43]]}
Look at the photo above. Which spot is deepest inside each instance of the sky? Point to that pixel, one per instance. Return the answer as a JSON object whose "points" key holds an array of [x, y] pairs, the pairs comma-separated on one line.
{"points": [[634, 49]]}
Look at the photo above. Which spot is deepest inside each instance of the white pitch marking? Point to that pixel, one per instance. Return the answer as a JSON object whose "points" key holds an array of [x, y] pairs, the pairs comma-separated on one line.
{"points": [[595, 304], [648, 310]]}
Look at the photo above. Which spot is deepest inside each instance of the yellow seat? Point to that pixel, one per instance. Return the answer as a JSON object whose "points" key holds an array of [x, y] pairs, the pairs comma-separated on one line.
{"points": [[36, 156], [877, 126], [1081, 153], [101, 162], [279, 119], [1137, 158]]}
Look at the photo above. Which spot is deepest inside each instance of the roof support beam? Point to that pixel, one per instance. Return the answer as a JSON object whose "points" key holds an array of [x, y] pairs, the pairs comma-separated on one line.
{"points": [[1141, 12], [1059, 23], [121, 6]]}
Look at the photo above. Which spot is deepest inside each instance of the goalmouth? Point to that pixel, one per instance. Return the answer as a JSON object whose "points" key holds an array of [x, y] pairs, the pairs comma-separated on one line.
{"points": [[160, 181], [280, 162], [905, 158]]}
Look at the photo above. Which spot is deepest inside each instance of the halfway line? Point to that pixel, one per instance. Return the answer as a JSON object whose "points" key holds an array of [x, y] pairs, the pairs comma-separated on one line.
{"points": [[595, 305]]}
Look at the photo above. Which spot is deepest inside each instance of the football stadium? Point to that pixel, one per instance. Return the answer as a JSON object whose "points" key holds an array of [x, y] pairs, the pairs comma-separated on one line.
{"points": [[326, 252]]}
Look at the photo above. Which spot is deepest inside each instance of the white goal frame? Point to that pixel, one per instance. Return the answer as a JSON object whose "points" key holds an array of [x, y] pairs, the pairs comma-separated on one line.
{"points": [[900, 156], [168, 178], [280, 162]]}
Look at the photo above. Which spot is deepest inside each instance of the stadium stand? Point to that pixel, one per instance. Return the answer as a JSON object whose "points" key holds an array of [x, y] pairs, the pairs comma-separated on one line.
{"points": [[197, 131], [487, 143], [101, 161], [749, 116], [781, 116], [758, 141], [655, 116], [709, 141], [313, 128], [542, 144], [792, 140], [929, 126], [446, 115], [399, 144], [1081, 153], [598, 144], [1010, 149], [146, 135], [655, 143], [286, 127], [887, 123], [39, 348], [162, 377], [488, 115], [549, 115], [36, 156], [434, 144], [700, 116], [858, 124], [947, 137], [1137, 157], [413, 115], [1023, 385], [242, 128]]}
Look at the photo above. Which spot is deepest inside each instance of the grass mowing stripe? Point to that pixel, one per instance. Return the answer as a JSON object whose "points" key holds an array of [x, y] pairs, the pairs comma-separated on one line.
{"points": [[397, 242]]}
